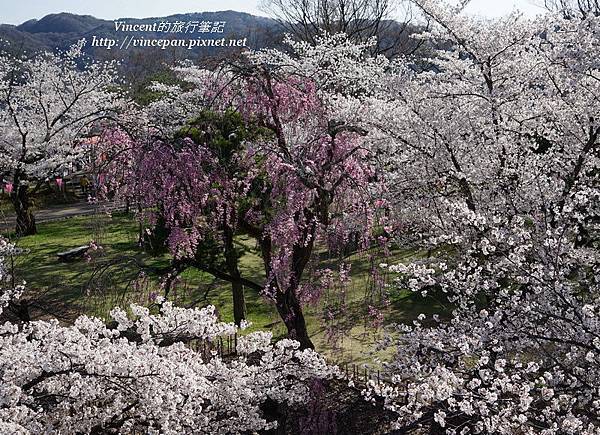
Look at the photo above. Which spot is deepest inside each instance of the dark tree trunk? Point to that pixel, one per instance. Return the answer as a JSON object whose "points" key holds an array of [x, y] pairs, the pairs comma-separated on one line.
{"points": [[286, 300], [21, 310], [22, 205], [239, 302], [237, 289], [290, 311]]}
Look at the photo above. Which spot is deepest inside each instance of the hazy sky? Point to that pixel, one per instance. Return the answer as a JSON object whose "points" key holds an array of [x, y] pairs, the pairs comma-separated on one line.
{"points": [[18, 11], [495, 8]]}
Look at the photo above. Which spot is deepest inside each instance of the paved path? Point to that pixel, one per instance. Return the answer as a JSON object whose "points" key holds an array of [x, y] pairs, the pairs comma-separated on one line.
{"points": [[58, 212]]}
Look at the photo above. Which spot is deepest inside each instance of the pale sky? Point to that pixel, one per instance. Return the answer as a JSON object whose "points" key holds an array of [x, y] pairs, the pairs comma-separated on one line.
{"points": [[18, 11], [496, 8]]}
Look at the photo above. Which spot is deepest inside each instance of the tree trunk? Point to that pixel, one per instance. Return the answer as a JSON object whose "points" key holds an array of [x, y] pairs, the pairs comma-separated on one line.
{"points": [[21, 310], [237, 289], [286, 300], [290, 311], [239, 302], [22, 205]]}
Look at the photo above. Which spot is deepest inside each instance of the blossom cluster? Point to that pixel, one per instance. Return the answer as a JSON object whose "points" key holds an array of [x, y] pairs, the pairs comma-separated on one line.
{"points": [[138, 373], [503, 128]]}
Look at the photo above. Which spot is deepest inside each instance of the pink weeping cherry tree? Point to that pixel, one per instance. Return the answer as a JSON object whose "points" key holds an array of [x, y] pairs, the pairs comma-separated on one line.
{"points": [[265, 153]]}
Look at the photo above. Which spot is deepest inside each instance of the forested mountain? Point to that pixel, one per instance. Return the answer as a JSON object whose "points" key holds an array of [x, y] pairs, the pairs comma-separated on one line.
{"points": [[59, 31]]}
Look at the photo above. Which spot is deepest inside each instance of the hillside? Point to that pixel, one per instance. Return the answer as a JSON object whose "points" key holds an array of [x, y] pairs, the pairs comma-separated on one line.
{"points": [[59, 31]]}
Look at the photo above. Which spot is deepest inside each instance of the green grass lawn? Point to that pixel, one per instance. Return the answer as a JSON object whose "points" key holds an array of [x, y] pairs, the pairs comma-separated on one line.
{"points": [[81, 286]]}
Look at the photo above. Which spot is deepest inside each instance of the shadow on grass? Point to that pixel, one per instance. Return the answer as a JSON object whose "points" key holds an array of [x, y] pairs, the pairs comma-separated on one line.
{"points": [[69, 283]]}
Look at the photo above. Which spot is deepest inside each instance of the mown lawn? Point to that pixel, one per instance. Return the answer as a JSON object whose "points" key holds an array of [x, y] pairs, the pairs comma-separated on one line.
{"points": [[108, 278]]}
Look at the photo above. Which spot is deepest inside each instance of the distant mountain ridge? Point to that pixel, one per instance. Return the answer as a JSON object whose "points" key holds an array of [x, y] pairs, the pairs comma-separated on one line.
{"points": [[59, 31], [140, 66], [61, 23]]}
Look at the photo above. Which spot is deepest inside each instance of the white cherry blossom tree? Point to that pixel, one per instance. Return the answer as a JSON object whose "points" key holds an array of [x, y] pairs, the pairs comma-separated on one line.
{"points": [[48, 103], [496, 149], [139, 374]]}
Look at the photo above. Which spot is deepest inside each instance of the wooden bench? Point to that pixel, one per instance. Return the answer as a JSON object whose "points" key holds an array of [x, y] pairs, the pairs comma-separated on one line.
{"points": [[72, 254]]}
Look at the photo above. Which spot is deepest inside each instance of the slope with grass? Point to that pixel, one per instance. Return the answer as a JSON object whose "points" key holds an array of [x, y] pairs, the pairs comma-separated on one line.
{"points": [[81, 286]]}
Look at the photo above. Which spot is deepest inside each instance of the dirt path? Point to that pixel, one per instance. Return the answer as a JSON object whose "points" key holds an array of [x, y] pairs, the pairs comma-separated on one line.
{"points": [[55, 213]]}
